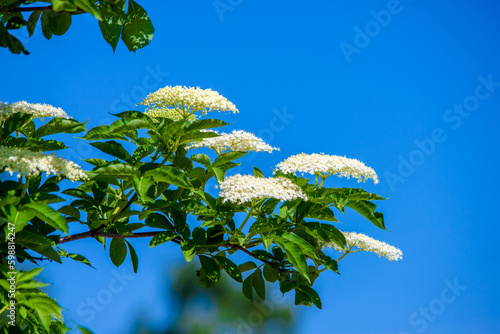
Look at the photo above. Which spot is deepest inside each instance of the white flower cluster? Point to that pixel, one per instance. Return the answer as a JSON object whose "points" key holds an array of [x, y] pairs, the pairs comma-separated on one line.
{"points": [[23, 161], [244, 188], [368, 244], [38, 110], [327, 165], [238, 140], [187, 100]]}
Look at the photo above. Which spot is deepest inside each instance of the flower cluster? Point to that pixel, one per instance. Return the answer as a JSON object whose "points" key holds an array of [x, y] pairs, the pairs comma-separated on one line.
{"points": [[244, 188], [365, 243], [186, 101], [23, 161], [238, 140], [38, 110], [325, 164]]}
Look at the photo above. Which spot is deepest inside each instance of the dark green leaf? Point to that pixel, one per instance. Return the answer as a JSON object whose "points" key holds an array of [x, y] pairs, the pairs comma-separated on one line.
{"points": [[15, 122], [247, 287], [367, 210], [32, 21], [47, 32], [295, 256], [59, 125], [211, 268], [307, 248], [133, 256], [160, 238], [59, 22], [137, 29], [49, 215], [270, 274], [202, 159], [188, 249], [313, 295], [159, 221], [117, 251], [170, 175], [114, 149], [227, 157], [230, 268], [112, 21], [258, 283], [206, 124]]}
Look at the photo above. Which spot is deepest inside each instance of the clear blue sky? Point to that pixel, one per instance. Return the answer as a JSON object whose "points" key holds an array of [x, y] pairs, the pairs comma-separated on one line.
{"points": [[415, 95]]}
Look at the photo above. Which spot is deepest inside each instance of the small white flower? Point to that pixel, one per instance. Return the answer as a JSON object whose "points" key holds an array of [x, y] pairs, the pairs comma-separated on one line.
{"points": [[237, 140], [324, 164], [38, 110], [186, 101], [244, 188], [366, 243], [23, 161]]}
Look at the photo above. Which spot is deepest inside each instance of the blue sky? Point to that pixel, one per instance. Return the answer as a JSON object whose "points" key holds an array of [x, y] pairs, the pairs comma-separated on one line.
{"points": [[411, 88]]}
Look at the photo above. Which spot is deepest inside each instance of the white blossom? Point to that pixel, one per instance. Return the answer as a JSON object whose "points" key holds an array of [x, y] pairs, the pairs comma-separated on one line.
{"points": [[366, 243], [187, 101], [38, 110], [238, 140], [23, 161], [244, 188], [325, 164]]}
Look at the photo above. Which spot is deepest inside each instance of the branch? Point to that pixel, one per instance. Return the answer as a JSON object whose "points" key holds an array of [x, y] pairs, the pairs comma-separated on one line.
{"points": [[177, 240], [41, 9]]}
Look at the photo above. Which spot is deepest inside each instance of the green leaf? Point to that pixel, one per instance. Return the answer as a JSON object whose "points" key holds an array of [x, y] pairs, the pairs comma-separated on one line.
{"points": [[32, 21], [38, 243], [206, 124], [64, 5], [9, 41], [257, 172], [367, 210], [28, 275], [295, 256], [78, 193], [202, 159], [247, 287], [227, 157], [15, 122], [161, 238], [59, 125], [102, 132], [211, 268], [188, 249], [307, 248], [247, 266], [170, 175], [114, 149], [231, 269], [334, 234], [313, 295], [99, 189], [270, 274], [115, 169], [133, 256], [59, 22], [117, 251], [15, 23], [137, 29], [112, 21], [159, 221], [85, 330], [81, 259], [47, 32], [301, 298], [48, 215], [258, 283], [89, 7]]}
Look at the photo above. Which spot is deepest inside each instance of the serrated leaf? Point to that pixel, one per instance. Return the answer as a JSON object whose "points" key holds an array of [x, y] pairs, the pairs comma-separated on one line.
{"points": [[367, 210], [59, 125], [307, 248], [114, 149]]}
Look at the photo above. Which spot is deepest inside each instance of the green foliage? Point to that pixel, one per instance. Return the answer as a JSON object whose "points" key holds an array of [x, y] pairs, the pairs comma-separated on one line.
{"points": [[155, 187], [117, 19]]}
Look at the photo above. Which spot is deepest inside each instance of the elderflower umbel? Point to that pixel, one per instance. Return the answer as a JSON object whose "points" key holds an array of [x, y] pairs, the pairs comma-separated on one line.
{"points": [[238, 140], [366, 243], [186, 101], [244, 188], [38, 110], [23, 161], [327, 165], [163, 112]]}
